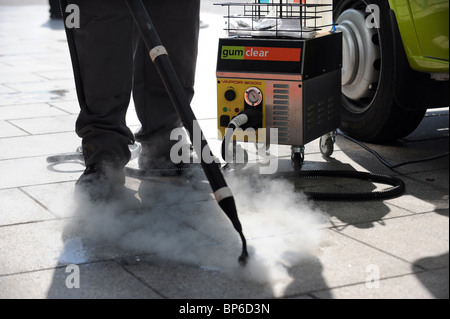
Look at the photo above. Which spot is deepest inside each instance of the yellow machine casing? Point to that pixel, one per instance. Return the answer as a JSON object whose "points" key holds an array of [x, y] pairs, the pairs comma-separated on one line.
{"points": [[230, 102]]}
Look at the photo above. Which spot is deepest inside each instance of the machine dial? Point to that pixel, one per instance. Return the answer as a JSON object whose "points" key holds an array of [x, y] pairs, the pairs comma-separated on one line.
{"points": [[253, 96], [230, 94]]}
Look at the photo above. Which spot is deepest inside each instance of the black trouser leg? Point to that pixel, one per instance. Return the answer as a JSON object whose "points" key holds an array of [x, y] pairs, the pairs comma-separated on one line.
{"points": [[177, 24], [55, 11], [105, 52], [106, 44]]}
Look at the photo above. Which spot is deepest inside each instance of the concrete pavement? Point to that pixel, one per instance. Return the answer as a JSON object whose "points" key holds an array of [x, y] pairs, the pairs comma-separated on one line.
{"points": [[166, 238]]}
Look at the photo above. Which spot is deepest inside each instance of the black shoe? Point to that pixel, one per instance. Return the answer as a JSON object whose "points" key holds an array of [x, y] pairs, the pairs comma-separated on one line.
{"points": [[155, 158], [157, 164], [100, 182]]}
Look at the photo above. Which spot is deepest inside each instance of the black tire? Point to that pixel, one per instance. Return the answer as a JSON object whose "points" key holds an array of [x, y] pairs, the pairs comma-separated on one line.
{"points": [[369, 110]]}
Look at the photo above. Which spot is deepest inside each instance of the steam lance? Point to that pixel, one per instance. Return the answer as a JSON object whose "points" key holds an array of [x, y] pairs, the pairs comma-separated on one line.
{"points": [[159, 56]]}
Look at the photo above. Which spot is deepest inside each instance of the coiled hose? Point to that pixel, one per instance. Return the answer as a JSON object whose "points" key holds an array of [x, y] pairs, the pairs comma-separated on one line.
{"points": [[398, 186]]}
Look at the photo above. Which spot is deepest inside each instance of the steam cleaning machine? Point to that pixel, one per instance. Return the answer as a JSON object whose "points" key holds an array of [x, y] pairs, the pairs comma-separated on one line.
{"points": [[279, 68]]}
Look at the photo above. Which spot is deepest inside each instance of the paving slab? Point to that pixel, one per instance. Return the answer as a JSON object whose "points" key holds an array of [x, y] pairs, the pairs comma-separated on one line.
{"points": [[17, 207], [54, 124], [9, 130], [412, 286], [34, 145], [24, 111], [96, 281], [34, 170], [175, 280], [425, 236], [358, 263], [57, 198]]}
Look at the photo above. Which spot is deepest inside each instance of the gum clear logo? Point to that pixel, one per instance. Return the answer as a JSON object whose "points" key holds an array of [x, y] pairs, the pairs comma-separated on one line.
{"points": [[260, 53]]}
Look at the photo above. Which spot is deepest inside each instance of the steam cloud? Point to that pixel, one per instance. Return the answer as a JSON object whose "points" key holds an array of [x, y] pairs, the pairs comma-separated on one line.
{"points": [[182, 222]]}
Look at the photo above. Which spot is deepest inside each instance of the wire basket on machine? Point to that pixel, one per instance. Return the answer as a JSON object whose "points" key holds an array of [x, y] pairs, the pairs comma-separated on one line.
{"points": [[277, 18]]}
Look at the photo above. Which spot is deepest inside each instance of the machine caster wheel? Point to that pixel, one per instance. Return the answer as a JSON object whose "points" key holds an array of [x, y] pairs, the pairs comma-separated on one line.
{"points": [[326, 144], [297, 158], [326, 147]]}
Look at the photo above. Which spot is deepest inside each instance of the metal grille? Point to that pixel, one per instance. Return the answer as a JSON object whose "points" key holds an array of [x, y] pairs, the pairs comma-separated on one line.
{"points": [[276, 18], [280, 112], [320, 113]]}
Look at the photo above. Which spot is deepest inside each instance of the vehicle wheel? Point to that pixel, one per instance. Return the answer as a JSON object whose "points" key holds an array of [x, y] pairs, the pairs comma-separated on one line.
{"points": [[369, 111]]}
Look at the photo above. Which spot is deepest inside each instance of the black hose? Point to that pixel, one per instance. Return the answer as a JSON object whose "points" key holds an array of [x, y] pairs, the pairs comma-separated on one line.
{"points": [[129, 171], [398, 186], [65, 158], [386, 163]]}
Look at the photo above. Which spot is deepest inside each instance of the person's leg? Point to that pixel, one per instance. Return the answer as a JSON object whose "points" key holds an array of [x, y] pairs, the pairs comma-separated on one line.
{"points": [[105, 50], [55, 9], [177, 24], [104, 62]]}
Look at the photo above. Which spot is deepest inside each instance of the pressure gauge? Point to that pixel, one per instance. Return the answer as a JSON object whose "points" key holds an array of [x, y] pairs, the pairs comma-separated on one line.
{"points": [[253, 96]]}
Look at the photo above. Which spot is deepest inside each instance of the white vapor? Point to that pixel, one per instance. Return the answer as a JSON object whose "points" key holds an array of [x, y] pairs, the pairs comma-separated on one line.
{"points": [[182, 222]]}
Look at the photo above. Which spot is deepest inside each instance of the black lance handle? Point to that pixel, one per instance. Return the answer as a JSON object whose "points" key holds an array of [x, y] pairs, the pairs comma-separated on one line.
{"points": [[159, 56]]}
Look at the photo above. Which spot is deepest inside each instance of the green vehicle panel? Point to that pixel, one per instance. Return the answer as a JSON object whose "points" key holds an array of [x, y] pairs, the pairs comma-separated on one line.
{"points": [[424, 29]]}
